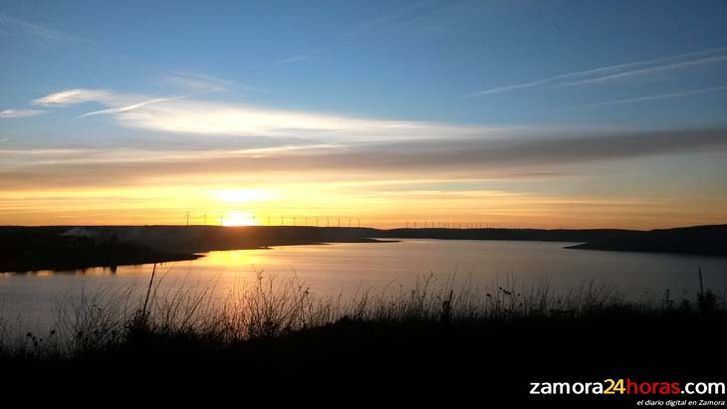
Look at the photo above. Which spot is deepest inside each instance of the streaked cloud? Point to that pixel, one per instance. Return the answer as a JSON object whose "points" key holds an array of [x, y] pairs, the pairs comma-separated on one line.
{"points": [[127, 107], [193, 82], [16, 26], [195, 116], [75, 96], [296, 58], [216, 118], [19, 113], [614, 72], [395, 18], [510, 156], [525, 176], [385, 22], [647, 98], [649, 70]]}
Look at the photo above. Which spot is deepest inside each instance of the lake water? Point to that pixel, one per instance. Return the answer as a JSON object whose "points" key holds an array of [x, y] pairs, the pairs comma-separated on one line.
{"points": [[346, 269]]}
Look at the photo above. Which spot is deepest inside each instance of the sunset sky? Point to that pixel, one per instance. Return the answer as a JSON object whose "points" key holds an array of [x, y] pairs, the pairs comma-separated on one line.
{"points": [[522, 113]]}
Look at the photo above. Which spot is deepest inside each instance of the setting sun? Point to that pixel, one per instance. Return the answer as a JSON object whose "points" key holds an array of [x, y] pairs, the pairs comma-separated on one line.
{"points": [[238, 219]]}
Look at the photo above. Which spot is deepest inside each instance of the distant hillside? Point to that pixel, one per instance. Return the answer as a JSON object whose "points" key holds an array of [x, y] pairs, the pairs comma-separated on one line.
{"points": [[78, 247], [705, 240], [27, 249], [573, 236]]}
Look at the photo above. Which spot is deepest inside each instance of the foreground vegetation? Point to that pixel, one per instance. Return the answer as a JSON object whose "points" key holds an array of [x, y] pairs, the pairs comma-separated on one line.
{"points": [[499, 338]]}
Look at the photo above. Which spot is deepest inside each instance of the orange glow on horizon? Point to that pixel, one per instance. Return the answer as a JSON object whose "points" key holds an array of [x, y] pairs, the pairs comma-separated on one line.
{"points": [[237, 196], [213, 200]]}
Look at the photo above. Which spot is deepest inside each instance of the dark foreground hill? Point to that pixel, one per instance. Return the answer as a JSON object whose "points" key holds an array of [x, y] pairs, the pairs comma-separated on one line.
{"points": [[491, 362]]}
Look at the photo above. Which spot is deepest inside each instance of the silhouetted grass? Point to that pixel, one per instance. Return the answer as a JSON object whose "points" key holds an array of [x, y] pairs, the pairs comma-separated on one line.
{"points": [[105, 321], [448, 340]]}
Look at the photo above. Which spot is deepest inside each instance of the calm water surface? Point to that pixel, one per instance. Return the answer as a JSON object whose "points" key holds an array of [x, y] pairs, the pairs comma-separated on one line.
{"points": [[349, 268]]}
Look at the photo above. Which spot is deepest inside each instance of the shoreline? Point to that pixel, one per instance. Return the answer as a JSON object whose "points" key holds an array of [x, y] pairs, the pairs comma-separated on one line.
{"points": [[73, 248]]}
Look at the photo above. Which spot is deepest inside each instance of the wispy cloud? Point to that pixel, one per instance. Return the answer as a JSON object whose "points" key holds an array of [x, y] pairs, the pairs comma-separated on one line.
{"points": [[194, 82], [614, 72], [74, 96], [15, 26], [127, 107], [304, 56], [296, 58], [649, 70], [217, 118], [195, 116], [385, 22], [19, 113], [117, 102], [392, 18], [527, 155], [646, 98]]}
